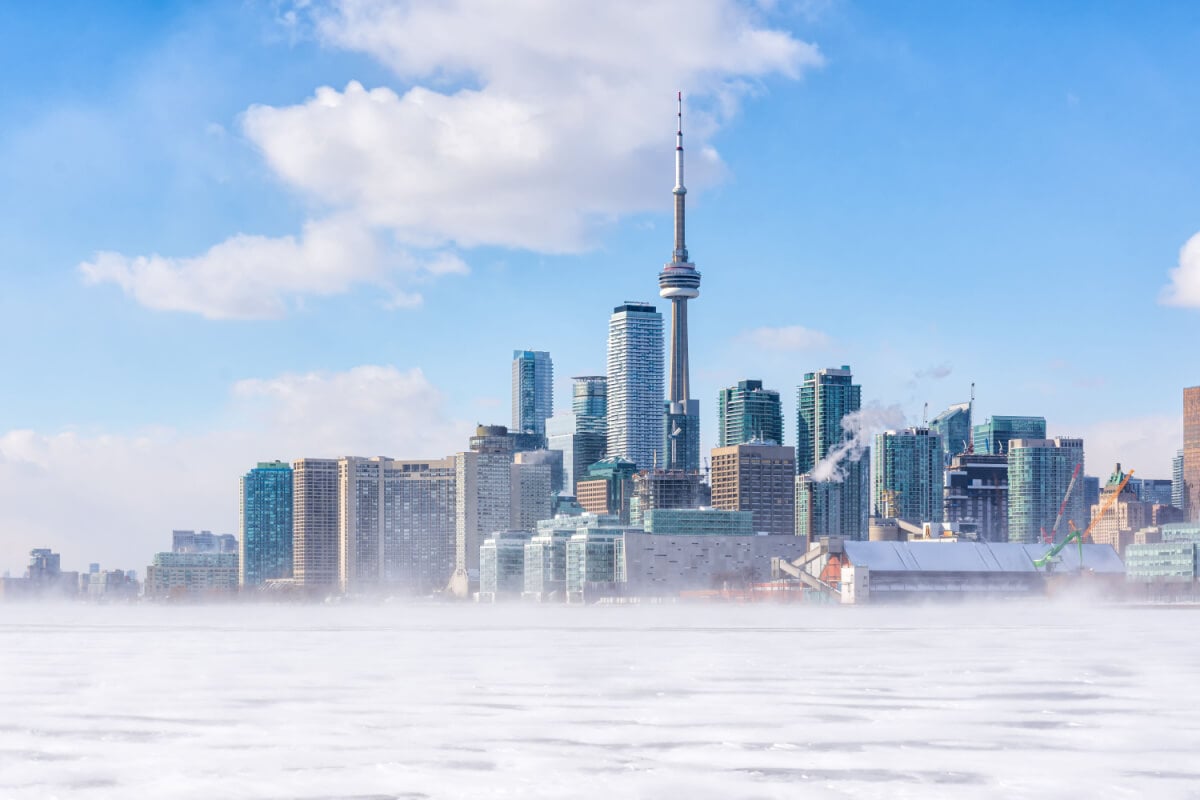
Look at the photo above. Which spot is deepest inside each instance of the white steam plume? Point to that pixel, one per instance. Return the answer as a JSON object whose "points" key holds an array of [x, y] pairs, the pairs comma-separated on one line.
{"points": [[859, 426]]}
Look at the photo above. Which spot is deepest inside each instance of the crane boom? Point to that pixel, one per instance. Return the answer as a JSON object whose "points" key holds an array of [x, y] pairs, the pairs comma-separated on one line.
{"points": [[1078, 535], [1063, 507]]}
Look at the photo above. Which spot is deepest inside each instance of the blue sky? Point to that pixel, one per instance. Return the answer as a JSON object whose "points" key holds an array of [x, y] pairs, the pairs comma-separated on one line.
{"points": [[934, 193]]}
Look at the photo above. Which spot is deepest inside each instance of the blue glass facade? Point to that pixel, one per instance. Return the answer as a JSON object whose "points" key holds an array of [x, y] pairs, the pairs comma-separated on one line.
{"points": [[993, 436], [266, 544], [746, 412]]}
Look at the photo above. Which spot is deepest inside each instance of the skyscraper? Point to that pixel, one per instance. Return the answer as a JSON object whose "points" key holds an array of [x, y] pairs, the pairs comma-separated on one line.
{"points": [[1191, 452], [635, 384], [1039, 472], [908, 475], [315, 521], [746, 412], [759, 478], [993, 436], [532, 390], [825, 399], [582, 434], [483, 500], [266, 541], [1178, 495], [954, 427], [679, 282]]}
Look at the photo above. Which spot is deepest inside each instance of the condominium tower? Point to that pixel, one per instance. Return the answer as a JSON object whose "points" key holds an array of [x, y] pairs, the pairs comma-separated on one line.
{"points": [[581, 434], [748, 412], [825, 399], [315, 521], [483, 500], [679, 282], [532, 390], [908, 475], [993, 436], [635, 384], [1039, 472], [266, 540], [954, 427]]}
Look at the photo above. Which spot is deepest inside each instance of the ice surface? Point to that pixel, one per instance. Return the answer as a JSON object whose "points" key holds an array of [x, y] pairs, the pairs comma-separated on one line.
{"points": [[1013, 700]]}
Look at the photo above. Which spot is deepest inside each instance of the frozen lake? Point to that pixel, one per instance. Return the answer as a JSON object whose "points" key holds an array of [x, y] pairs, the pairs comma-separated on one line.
{"points": [[657, 702]]}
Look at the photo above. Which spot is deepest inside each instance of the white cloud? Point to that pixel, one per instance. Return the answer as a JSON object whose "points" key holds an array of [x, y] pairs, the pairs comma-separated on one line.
{"points": [[1184, 289], [1145, 444], [789, 338], [115, 498]]}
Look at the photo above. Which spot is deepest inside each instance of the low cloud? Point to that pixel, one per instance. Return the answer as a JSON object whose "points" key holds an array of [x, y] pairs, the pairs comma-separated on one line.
{"points": [[114, 498], [1184, 289], [935, 373], [787, 339]]}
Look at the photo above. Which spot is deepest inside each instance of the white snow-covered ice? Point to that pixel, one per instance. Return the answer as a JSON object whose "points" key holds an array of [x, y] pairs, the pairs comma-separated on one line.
{"points": [[409, 701]]}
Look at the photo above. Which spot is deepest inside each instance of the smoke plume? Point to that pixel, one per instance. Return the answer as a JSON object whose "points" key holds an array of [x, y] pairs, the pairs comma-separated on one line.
{"points": [[859, 427]]}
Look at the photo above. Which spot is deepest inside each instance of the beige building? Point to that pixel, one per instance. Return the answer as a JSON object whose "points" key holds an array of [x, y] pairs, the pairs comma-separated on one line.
{"points": [[532, 483], [1126, 515], [315, 522], [759, 478]]}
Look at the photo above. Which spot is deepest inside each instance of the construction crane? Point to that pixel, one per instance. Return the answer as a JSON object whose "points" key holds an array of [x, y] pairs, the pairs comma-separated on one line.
{"points": [[1049, 538], [1078, 535]]}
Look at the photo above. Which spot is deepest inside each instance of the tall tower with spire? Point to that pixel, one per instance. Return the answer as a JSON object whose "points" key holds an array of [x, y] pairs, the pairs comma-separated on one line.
{"points": [[679, 282]]}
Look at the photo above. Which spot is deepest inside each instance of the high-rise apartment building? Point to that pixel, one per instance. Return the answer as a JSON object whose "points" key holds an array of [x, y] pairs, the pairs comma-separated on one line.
{"points": [[315, 521], [1039, 472], [954, 427], [825, 399], [1178, 495], [532, 390], [818, 508], [635, 384], [419, 513], [360, 524], [748, 412], [759, 478], [483, 499], [976, 495], [1191, 452], [531, 492], [266, 510], [581, 435], [679, 282], [908, 475], [993, 437]]}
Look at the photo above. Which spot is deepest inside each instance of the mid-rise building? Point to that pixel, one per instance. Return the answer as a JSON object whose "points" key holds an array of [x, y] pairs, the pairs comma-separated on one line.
{"points": [[531, 492], [180, 575], [1126, 514], [759, 478], [266, 511], [976, 495], [595, 561], [908, 475], [502, 566], [635, 384], [954, 427], [552, 459], [315, 525], [698, 522], [748, 412], [825, 399], [662, 488], [546, 558], [202, 542], [532, 391], [1039, 472], [1191, 452], [608, 488], [993, 437]]}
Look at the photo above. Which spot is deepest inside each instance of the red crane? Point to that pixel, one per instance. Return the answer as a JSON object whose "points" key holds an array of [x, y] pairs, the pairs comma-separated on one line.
{"points": [[1049, 538]]}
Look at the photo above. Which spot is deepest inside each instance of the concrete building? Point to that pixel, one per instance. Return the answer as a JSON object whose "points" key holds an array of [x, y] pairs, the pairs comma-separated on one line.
{"points": [[1039, 472], [635, 384], [502, 566], [1191, 452], [825, 398], [748, 412], [664, 489], [608, 489], [658, 565], [531, 492], [315, 522], [759, 478], [698, 522], [908, 475], [993, 437], [188, 574], [483, 500], [1126, 514], [954, 427], [532, 391], [976, 495], [266, 533], [679, 282]]}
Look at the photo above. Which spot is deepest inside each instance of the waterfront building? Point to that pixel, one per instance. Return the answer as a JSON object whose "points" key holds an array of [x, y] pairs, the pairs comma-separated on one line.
{"points": [[180, 574], [635, 384], [419, 530], [662, 565], [1126, 514], [698, 522], [608, 489], [662, 488], [976, 495], [1178, 495], [360, 524], [825, 399], [759, 478], [532, 390], [954, 427], [502, 566], [315, 525], [595, 561], [483, 499], [266, 512], [679, 282], [546, 558], [908, 475], [1191, 452], [748, 412], [1169, 567], [531, 492], [993, 437], [1039, 472]]}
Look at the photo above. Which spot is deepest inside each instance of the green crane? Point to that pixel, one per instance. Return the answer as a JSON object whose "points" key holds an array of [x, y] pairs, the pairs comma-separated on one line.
{"points": [[1078, 535]]}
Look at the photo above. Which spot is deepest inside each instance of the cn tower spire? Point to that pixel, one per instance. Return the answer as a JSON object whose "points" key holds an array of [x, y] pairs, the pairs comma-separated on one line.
{"points": [[681, 253]]}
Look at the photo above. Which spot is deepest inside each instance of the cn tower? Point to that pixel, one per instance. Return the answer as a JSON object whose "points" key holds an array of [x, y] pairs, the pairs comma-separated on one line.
{"points": [[679, 282]]}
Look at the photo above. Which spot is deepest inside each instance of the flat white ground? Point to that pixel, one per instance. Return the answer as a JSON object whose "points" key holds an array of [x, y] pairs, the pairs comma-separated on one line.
{"points": [[362, 701]]}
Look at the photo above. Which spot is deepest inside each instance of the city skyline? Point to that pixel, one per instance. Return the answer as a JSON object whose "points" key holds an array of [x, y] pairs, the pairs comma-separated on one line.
{"points": [[128, 376]]}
